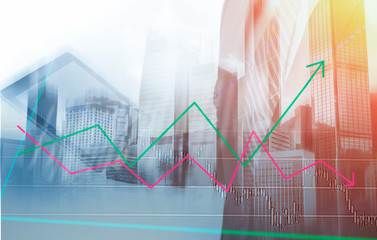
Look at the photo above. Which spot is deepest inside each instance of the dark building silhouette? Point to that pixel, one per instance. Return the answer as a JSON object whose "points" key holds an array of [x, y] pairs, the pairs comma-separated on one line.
{"points": [[300, 128]]}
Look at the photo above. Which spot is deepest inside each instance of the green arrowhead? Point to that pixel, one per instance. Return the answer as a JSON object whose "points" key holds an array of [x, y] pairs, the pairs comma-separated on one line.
{"points": [[321, 64]]}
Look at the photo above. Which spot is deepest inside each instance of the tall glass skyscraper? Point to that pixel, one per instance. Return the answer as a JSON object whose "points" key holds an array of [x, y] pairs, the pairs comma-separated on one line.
{"points": [[341, 100], [202, 137], [163, 97], [341, 105]]}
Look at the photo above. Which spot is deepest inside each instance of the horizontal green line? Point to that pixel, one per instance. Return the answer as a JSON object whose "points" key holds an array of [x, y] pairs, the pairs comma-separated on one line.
{"points": [[181, 229]]}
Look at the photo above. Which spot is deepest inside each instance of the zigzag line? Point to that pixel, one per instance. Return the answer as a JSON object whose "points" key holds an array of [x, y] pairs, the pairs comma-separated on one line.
{"points": [[351, 183], [321, 65], [141, 155]]}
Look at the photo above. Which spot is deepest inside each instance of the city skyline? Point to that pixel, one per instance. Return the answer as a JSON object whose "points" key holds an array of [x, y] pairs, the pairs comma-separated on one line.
{"points": [[253, 118]]}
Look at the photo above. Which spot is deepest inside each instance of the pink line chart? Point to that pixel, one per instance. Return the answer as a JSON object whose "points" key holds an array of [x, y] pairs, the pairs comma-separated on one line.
{"points": [[350, 183]]}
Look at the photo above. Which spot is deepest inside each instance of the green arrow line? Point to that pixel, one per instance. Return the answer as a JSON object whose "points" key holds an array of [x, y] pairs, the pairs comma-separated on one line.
{"points": [[321, 64]]}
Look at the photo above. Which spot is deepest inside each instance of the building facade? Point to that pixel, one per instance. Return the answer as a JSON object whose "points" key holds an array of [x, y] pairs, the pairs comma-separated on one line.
{"points": [[299, 127], [91, 148], [340, 101], [202, 137], [163, 98], [341, 104]]}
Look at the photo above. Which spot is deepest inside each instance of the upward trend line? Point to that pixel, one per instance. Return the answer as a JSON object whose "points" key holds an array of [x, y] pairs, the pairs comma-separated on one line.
{"points": [[351, 183], [128, 165], [321, 65]]}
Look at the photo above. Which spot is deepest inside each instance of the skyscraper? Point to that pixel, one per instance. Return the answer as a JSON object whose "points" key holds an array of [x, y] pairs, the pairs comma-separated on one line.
{"points": [[340, 100], [300, 128], [202, 137], [163, 97], [341, 105], [279, 140]]}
